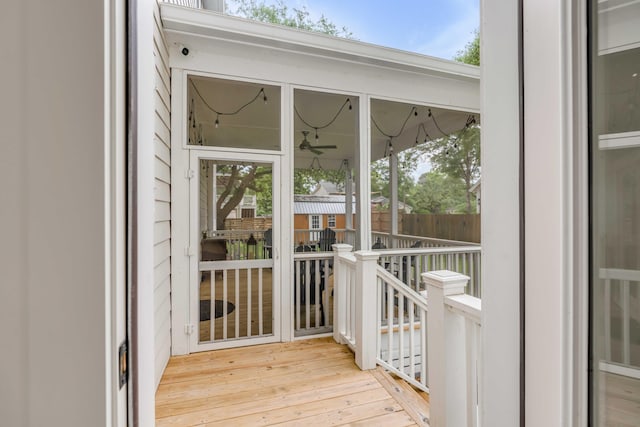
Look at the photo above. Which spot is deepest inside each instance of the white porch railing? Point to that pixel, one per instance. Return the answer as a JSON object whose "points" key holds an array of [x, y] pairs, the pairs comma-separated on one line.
{"points": [[242, 244], [234, 284], [344, 295], [401, 330], [197, 4], [621, 305], [313, 240], [454, 355], [313, 288], [387, 241], [409, 264], [433, 343]]}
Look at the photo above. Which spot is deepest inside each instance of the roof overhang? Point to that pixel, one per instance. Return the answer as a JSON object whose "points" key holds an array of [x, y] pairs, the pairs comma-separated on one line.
{"points": [[392, 79], [224, 27]]}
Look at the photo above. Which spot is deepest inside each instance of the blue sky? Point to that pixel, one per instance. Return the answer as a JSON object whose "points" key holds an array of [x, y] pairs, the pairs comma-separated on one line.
{"points": [[437, 28]]}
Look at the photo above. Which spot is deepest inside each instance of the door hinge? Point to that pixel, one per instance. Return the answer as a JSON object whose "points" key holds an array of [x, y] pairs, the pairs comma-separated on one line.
{"points": [[188, 328], [190, 174], [123, 363], [188, 251]]}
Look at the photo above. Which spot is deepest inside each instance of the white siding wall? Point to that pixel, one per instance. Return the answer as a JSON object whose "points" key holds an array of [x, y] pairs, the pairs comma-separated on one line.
{"points": [[162, 188]]}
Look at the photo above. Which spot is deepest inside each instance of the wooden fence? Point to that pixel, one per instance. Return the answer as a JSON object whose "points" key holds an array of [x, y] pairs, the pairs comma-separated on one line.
{"points": [[462, 227], [248, 224]]}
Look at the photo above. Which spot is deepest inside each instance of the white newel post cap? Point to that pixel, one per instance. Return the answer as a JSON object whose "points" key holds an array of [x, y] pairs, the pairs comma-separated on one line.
{"points": [[341, 247], [450, 282], [366, 255]]}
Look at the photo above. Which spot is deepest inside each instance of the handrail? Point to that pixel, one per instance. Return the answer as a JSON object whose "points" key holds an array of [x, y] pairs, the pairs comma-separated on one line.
{"points": [[620, 274], [408, 263], [427, 251], [465, 305], [348, 257], [408, 237], [401, 330], [402, 288], [618, 349], [312, 255]]}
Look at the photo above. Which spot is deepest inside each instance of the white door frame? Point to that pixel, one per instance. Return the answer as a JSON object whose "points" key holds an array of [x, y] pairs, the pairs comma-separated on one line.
{"points": [[195, 155]]}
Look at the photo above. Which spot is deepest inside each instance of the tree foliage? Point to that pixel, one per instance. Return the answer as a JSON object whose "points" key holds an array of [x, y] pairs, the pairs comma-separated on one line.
{"points": [[438, 193], [255, 179], [458, 155], [239, 178], [279, 13], [408, 161], [471, 52]]}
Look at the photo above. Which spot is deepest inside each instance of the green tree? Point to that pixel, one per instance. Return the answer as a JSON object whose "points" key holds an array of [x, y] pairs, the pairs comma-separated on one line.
{"points": [[408, 161], [471, 52], [306, 180], [458, 156], [280, 14], [438, 193], [239, 179], [253, 178]]}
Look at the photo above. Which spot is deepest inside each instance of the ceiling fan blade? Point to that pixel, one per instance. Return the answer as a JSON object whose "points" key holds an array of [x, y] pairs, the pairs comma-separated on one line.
{"points": [[325, 147], [314, 150]]}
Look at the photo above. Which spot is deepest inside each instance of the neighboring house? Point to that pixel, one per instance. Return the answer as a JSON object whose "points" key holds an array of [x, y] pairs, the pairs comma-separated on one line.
{"points": [[381, 204], [316, 212], [326, 188], [99, 248], [247, 208]]}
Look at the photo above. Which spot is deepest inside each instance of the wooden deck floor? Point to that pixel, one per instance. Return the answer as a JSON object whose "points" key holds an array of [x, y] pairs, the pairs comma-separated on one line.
{"points": [[619, 400], [311, 382]]}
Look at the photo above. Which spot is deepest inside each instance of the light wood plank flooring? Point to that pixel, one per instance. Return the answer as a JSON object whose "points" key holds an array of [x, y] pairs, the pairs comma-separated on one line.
{"points": [[619, 400], [310, 382]]}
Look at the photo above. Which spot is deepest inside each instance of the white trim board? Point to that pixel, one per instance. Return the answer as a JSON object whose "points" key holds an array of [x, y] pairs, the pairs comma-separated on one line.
{"points": [[614, 368], [614, 141]]}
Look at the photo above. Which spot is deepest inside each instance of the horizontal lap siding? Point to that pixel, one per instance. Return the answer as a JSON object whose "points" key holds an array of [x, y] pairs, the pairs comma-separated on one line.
{"points": [[162, 208]]}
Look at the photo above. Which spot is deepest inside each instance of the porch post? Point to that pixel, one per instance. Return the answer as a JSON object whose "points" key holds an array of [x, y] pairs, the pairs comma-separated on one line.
{"points": [[393, 197], [211, 198], [348, 196], [366, 313], [339, 292], [214, 198], [446, 350], [363, 179]]}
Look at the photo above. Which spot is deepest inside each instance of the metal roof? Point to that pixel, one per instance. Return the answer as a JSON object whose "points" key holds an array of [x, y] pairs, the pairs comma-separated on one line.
{"points": [[310, 205]]}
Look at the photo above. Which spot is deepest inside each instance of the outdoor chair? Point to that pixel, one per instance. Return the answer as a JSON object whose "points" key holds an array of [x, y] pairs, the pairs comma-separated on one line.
{"points": [[327, 239]]}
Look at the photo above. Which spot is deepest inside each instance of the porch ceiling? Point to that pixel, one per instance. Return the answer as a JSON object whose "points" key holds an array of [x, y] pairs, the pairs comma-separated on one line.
{"points": [[258, 125], [257, 51]]}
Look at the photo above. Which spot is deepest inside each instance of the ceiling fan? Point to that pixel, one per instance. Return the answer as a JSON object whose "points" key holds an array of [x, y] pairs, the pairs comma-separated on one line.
{"points": [[315, 149]]}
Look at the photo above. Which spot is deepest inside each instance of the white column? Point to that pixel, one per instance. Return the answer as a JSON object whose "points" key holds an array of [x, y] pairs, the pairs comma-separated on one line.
{"points": [[212, 205], [446, 351], [339, 292], [348, 199], [500, 192], [363, 161], [393, 196], [366, 315]]}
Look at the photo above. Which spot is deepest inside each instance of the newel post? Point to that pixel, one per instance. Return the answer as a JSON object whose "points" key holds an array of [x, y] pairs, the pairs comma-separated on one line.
{"points": [[366, 312], [339, 292], [446, 351]]}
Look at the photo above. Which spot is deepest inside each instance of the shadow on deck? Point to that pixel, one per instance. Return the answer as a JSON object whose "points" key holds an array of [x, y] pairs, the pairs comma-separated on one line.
{"points": [[311, 382]]}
